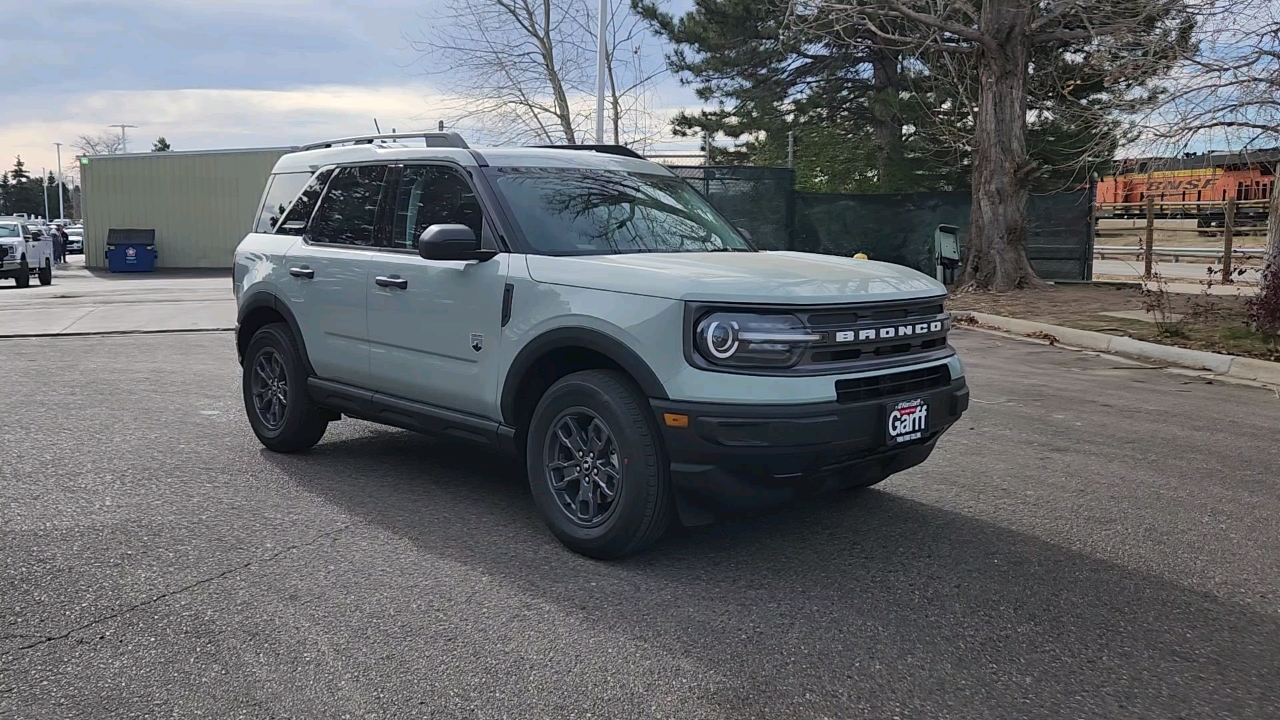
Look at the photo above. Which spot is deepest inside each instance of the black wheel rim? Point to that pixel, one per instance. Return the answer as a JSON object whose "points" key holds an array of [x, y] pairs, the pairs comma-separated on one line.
{"points": [[270, 387], [582, 467]]}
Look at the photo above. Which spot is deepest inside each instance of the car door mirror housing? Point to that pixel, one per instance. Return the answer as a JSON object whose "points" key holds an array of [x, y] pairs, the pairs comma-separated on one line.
{"points": [[452, 242]]}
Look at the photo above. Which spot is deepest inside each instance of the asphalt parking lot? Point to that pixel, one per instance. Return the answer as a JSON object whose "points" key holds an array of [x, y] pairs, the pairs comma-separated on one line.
{"points": [[1095, 539]]}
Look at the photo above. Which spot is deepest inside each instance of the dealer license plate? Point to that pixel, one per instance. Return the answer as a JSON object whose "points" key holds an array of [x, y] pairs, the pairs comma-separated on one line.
{"points": [[908, 420]]}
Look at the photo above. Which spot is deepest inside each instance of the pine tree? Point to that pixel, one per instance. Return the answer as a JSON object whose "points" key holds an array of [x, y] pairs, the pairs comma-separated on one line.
{"points": [[160, 145]]}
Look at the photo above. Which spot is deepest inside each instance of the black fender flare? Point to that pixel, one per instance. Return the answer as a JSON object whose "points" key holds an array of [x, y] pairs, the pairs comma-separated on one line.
{"points": [[576, 337], [266, 298]]}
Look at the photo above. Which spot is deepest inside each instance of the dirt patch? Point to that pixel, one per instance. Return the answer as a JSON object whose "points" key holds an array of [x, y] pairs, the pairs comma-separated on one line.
{"points": [[1215, 323]]}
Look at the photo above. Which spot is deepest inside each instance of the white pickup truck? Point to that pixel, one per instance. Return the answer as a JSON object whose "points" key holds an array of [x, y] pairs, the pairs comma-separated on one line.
{"points": [[23, 253]]}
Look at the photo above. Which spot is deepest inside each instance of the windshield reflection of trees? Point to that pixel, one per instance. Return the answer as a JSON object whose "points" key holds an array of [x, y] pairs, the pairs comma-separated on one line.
{"points": [[622, 213]]}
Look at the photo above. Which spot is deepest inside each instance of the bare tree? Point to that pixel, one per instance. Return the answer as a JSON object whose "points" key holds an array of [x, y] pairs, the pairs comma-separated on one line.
{"points": [[980, 59], [104, 143], [1229, 96], [524, 70]]}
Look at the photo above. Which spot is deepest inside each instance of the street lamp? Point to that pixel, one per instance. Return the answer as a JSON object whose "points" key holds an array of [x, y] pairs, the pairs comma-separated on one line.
{"points": [[124, 142], [602, 65], [44, 183], [61, 210]]}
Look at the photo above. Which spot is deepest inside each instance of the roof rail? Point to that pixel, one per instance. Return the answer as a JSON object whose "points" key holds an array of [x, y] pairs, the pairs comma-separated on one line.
{"points": [[621, 150], [433, 139]]}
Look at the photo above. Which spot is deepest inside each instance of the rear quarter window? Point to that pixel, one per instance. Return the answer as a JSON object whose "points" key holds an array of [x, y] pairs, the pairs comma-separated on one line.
{"points": [[281, 189]]}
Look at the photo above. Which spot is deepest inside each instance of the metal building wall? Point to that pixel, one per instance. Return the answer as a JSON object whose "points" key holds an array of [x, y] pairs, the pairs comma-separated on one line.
{"points": [[201, 204]]}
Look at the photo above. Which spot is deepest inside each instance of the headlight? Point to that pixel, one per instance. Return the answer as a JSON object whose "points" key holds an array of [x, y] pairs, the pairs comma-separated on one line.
{"points": [[749, 340]]}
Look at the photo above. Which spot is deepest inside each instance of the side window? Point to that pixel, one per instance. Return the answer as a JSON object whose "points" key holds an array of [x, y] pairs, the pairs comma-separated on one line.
{"points": [[295, 223], [432, 195], [350, 207], [281, 190]]}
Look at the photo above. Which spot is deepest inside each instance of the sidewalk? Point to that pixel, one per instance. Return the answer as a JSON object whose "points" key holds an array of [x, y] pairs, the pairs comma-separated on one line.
{"points": [[83, 302]]}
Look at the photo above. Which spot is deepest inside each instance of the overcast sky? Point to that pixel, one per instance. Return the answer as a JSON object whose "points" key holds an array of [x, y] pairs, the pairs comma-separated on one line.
{"points": [[215, 73]]}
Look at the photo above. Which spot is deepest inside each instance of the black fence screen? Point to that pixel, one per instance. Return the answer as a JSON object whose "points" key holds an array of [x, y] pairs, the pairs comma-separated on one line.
{"points": [[896, 228], [759, 200], [901, 228]]}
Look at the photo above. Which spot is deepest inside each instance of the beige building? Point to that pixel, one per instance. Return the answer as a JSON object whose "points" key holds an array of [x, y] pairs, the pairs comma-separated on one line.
{"points": [[200, 203]]}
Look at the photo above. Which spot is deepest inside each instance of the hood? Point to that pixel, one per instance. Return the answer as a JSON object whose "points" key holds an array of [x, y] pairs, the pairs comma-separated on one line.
{"points": [[739, 277]]}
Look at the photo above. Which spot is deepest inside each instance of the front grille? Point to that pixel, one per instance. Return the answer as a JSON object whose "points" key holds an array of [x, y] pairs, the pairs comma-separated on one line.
{"points": [[892, 384], [854, 336]]}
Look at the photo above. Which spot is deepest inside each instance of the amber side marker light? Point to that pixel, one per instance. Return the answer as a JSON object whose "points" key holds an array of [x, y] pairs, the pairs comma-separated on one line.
{"points": [[675, 420]]}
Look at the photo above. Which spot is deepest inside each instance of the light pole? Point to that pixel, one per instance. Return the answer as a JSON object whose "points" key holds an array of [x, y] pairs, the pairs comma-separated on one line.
{"points": [[601, 70], [61, 212], [124, 142], [44, 183]]}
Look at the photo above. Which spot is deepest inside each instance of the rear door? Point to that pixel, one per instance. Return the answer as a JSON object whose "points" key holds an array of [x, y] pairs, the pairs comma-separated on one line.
{"points": [[434, 325], [327, 271]]}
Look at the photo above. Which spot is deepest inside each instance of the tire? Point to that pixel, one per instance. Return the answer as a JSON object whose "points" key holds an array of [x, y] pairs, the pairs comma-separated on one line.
{"points": [[46, 273], [641, 506], [296, 424], [23, 278]]}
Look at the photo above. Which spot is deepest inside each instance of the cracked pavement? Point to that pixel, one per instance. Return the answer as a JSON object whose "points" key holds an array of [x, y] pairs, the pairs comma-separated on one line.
{"points": [[1092, 540]]}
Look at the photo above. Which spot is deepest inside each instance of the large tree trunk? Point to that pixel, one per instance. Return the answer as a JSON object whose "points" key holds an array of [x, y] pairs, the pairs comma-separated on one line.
{"points": [[886, 121], [996, 250], [1264, 309]]}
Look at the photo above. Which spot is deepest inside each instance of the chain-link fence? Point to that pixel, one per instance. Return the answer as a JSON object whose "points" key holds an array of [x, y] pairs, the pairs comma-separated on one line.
{"points": [[896, 228]]}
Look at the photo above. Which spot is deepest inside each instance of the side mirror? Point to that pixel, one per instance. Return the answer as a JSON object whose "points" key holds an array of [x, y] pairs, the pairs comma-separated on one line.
{"points": [[743, 232], [452, 242]]}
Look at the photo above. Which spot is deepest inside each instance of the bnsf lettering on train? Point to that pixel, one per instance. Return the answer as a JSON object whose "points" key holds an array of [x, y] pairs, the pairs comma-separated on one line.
{"points": [[1184, 185]]}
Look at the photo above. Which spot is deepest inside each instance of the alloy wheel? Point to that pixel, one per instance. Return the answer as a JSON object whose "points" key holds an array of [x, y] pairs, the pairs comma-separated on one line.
{"points": [[270, 387], [583, 467]]}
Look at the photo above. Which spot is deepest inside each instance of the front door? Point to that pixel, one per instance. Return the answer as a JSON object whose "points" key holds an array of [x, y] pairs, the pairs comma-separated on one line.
{"points": [[434, 325], [327, 274]]}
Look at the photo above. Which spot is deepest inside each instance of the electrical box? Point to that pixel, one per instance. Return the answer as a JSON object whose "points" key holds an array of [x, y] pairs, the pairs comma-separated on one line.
{"points": [[947, 252]]}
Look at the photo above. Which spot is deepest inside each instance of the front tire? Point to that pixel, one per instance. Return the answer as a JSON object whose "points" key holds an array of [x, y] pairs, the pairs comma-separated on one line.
{"points": [[276, 400], [596, 465], [24, 274], [46, 273]]}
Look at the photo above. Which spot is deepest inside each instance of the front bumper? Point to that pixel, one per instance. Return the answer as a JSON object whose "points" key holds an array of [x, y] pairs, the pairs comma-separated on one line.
{"points": [[740, 457]]}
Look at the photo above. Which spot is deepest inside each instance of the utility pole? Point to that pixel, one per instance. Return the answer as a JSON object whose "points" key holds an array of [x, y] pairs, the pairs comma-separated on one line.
{"points": [[44, 183], [124, 142], [61, 211], [791, 150], [601, 69]]}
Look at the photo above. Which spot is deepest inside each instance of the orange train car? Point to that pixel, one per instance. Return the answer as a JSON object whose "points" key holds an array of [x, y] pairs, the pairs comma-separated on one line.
{"points": [[1208, 178]]}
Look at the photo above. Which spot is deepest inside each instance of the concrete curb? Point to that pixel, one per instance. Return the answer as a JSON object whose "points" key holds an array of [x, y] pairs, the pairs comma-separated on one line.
{"points": [[1231, 365]]}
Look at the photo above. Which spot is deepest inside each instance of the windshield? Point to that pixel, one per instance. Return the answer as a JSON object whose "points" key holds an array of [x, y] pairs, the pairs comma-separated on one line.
{"points": [[579, 211], [9, 231]]}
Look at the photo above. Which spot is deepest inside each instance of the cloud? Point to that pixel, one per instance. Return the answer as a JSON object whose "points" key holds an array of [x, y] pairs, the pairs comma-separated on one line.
{"points": [[201, 119], [219, 118]]}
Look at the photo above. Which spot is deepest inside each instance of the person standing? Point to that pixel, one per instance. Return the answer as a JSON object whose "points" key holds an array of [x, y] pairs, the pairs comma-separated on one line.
{"points": [[59, 245]]}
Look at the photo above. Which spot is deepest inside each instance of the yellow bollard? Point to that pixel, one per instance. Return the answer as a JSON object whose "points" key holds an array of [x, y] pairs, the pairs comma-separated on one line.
{"points": [[860, 256]]}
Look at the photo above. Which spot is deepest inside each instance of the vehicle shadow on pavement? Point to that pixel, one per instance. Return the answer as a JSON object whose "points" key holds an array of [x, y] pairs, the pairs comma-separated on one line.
{"points": [[846, 600]]}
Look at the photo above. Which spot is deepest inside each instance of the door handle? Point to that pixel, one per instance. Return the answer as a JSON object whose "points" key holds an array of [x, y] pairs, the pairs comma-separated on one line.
{"points": [[389, 282], [302, 272]]}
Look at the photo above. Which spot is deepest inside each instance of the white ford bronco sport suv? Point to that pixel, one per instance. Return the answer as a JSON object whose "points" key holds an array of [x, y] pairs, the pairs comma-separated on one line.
{"points": [[23, 253], [588, 311]]}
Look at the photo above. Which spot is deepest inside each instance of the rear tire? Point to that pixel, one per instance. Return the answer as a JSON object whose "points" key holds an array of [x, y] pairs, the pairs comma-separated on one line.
{"points": [[276, 400], [46, 273], [24, 274], [597, 425]]}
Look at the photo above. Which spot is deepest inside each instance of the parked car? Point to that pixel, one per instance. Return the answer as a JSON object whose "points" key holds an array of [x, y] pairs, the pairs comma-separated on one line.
{"points": [[23, 253], [590, 312], [75, 240]]}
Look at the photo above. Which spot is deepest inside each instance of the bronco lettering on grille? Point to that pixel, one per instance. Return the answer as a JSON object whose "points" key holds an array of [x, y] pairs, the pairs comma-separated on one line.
{"points": [[891, 331]]}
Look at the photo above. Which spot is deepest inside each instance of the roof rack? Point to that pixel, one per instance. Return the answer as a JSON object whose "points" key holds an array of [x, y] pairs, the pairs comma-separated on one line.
{"points": [[621, 150], [433, 139]]}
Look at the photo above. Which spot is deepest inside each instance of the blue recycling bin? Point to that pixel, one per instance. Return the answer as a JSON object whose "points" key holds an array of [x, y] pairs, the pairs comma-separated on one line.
{"points": [[131, 250]]}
